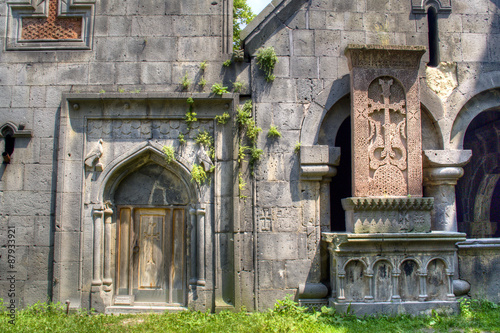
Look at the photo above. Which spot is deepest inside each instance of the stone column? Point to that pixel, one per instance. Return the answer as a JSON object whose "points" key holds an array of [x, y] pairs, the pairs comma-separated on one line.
{"points": [[442, 169], [194, 247], [200, 214], [96, 277], [108, 219], [317, 169]]}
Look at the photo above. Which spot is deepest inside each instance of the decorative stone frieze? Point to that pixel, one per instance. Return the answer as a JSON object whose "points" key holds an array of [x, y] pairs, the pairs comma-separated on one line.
{"points": [[388, 215]]}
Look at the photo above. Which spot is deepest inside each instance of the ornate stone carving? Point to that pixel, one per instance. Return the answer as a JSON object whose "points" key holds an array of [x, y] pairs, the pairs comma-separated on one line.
{"points": [[385, 111], [388, 215], [50, 24], [108, 129], [51, 27], [92, 159]]}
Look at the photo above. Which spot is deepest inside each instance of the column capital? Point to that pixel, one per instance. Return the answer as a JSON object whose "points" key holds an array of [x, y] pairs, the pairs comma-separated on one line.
{"points": [[442, 175]]}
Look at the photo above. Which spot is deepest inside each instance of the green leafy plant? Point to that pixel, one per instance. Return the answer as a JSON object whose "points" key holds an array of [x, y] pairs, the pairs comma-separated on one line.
{"points": [[253, 131], [121, 90], [241, 152], [185, 82], [204, 138], [219, 89], [297, 147], [267, 59], [241, 186], [190, 116], [136, 91], [244, 114], [198, 174], [255, 155], [227, 63], [169, 153], [273, 132], [102, 91], [202, 83], [223, 119], [203, 65], [238, 86], [181, 138]]}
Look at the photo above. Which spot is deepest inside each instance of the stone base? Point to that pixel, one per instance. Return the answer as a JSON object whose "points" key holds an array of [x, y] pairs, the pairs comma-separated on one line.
{"points": [[314, 304], [396, 270], [142, 309], [412, 308]]}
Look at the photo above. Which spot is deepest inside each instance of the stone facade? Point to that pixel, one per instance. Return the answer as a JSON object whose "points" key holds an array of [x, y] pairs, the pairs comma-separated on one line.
{"points": [[93, 92]]}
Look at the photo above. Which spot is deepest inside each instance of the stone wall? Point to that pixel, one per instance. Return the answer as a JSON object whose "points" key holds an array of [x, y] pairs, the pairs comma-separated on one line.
{"points": [[311, 86], [133, 46]]}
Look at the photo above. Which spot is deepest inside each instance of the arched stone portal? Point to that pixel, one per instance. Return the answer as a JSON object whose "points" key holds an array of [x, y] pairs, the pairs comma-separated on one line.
{"points": [[151, 204], [477, 191]]}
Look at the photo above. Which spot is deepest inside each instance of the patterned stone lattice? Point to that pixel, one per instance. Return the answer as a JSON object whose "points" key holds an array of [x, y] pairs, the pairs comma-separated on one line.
{"points": [[387, 137], [52, 27]]}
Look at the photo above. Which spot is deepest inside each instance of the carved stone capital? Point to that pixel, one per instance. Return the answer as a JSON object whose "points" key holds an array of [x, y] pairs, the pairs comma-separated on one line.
{"points": [[317, 172], [442, 175], [446, 158]]}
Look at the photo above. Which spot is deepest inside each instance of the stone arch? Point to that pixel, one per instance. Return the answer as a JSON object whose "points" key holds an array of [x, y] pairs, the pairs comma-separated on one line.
{"points": [[150, 205], [334, 131], [318, 110], [382, 280], [437, 280], [124, 165], [467, 101], [409, 279], [475, 191], [356, 280]]}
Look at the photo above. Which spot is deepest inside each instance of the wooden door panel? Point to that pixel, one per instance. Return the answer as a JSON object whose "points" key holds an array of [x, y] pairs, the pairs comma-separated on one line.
{"points": [[151, 255], [151, 265]]}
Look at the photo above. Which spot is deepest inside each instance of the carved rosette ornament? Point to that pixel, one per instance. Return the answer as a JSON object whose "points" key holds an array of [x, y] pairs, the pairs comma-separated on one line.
{"points": [[386, 123]]}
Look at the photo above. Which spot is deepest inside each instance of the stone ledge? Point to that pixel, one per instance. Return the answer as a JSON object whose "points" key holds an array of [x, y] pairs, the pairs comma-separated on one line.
{"points": [[412, 308]]}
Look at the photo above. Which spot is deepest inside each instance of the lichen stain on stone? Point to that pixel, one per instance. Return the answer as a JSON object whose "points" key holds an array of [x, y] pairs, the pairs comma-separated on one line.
{"points": [[442, 79]]}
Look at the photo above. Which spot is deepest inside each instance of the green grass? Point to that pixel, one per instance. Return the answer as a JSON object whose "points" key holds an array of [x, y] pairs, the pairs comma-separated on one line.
{"points": [[476, 316]]}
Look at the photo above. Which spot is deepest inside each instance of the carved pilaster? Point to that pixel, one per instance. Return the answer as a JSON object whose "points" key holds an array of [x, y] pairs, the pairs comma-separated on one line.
{"points": [[97, 215], [108, 219], [200, 215]]}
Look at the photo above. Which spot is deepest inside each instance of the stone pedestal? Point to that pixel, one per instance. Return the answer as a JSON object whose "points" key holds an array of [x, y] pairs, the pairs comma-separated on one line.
{"points": [[392, 272]]}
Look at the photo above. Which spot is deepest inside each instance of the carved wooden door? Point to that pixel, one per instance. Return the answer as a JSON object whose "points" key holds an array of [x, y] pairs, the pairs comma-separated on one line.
{"points": [[151, 255]]}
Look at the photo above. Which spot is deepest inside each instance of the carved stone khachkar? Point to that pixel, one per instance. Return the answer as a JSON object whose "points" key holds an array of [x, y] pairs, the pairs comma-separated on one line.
{"points": [[389, 260], [386, 123]]}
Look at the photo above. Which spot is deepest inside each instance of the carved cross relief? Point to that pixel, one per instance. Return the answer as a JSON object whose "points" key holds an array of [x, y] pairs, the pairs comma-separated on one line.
{"points": [[387, 139], [50, 24]]}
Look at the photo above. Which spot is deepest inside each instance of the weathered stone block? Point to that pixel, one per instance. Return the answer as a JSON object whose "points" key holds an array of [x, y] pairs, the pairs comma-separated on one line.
{"points": [[303, 43], [304, 67], [277, 246]]}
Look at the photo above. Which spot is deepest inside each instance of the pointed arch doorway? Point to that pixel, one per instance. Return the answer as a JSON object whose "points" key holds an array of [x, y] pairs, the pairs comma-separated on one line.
{"points": [[151, 236]]}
